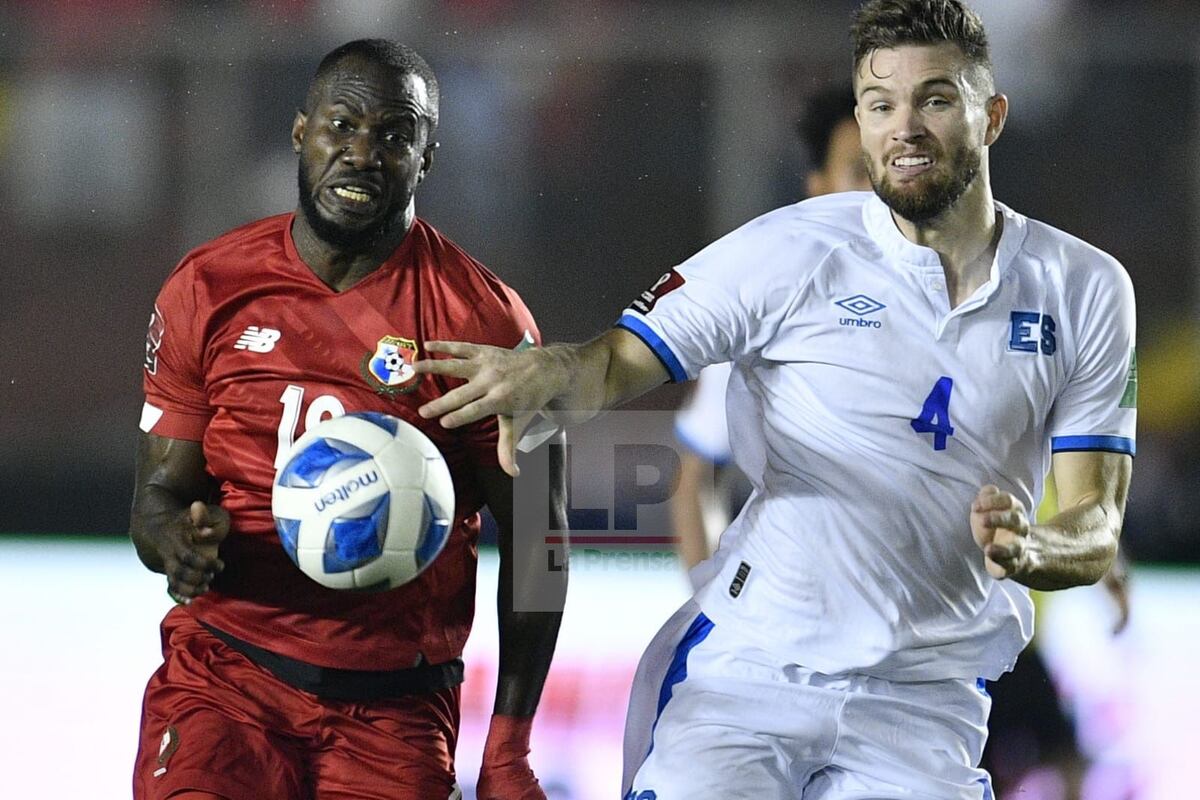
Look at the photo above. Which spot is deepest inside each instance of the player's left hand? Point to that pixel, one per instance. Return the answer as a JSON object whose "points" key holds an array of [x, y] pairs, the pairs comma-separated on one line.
{"points": [[506, 774], [511, 384], [1116, 583], [1000, 526]]}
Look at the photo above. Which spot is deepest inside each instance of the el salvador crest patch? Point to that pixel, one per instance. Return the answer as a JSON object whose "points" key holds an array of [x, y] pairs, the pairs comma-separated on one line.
{"points": [[389, 370]]}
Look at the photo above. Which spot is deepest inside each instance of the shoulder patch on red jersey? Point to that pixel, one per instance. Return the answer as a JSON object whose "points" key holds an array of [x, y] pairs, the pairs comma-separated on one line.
{"points": [[389, 370], [166, 748], [154, 339], [669, 282]]}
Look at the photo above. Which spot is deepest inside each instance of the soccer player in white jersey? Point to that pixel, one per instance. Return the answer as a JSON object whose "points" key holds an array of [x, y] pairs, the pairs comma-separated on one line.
{"points": [[699, 509], [907, 364]]}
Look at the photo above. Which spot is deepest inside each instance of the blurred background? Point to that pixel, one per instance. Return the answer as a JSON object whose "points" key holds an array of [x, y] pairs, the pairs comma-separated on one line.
{"points": [[586, 146]]}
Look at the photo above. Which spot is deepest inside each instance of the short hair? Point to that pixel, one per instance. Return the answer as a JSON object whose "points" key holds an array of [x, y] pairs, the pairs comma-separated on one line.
{"points": [[822, 114], [381, 52], [880, 24]]}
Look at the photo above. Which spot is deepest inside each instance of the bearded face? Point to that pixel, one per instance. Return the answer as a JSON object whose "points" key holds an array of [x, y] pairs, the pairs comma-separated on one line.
{"points": [[924, 116], [925, 196]]}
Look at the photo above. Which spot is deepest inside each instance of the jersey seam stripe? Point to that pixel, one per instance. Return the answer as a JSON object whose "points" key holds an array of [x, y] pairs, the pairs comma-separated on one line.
{"points": [[1113, 444], [656, 344]]}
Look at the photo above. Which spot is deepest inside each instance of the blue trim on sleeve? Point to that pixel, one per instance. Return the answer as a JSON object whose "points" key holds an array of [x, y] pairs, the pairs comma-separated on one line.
{"points": [[655, 343], [1111, 444], [693, 444]]}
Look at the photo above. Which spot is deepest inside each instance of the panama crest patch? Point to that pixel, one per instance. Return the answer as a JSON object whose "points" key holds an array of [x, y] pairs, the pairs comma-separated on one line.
{"points": [[389, 369]]}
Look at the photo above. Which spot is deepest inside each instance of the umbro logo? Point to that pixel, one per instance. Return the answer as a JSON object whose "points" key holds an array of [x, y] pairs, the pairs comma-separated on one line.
{"points": [[257, 340], [860, 305]]}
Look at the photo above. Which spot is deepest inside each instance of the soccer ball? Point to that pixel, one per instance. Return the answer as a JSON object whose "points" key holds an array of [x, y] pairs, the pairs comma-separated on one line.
{"points": [[363, 501]]}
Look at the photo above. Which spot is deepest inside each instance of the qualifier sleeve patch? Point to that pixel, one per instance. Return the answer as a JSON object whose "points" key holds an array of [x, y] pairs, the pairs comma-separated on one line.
{"points": [[1129, 398], [669, 282]]}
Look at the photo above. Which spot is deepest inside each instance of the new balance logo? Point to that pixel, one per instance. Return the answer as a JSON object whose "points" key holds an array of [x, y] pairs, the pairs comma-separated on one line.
{"points": [[258, 340]]}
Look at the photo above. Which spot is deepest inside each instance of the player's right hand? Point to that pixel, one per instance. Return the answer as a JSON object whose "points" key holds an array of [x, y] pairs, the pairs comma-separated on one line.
{"points": [[189, 546]]}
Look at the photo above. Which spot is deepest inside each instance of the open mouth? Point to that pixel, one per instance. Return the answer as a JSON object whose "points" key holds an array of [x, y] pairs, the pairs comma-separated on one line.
{"points": [[353, 195], [911, 165], [354, 198]]}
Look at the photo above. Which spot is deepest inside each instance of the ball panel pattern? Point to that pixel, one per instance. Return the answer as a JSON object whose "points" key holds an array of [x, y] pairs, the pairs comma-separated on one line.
{"points": [[436, 530], [309, 466], [353, 541]]}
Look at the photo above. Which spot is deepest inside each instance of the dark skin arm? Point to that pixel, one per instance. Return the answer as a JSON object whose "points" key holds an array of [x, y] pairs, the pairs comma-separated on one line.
{"points": [[527, 638], [174, 528]]}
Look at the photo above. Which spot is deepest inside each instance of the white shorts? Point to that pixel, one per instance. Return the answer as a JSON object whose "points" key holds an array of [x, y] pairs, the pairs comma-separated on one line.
{"points": [[711, 717]]}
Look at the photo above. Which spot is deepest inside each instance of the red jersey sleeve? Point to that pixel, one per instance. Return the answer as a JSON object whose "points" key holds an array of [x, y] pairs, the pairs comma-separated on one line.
{"points": [[172, 377], [507, 326]]}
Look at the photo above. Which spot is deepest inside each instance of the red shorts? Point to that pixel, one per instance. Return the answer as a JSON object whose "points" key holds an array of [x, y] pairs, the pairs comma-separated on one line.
{"points": [[214, 721]]}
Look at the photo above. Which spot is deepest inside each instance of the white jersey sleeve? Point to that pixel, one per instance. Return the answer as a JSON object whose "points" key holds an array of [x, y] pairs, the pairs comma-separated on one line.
{"points": [[701, 424], [1097, 408], [728, 300]]}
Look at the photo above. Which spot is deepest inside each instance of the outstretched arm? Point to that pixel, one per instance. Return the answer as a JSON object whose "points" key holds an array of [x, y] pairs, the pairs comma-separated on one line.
{"points": [[173, 527], [527, 636], [569, 382], [1075, 547], [687, 509]]}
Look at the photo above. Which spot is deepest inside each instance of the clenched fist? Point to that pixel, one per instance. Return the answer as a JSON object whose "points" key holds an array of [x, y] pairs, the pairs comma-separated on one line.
{"points": [[1000, 526]]}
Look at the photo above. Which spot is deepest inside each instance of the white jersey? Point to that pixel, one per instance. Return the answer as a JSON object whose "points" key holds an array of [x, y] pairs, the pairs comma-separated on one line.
{"points": [[868, 414]]}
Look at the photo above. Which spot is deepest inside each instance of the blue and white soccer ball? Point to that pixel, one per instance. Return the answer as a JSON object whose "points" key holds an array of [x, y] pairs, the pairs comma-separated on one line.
{"points": [[363, 501]]}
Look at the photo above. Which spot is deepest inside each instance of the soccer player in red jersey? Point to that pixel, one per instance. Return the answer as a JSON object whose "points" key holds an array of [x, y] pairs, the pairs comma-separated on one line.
{"points": [[272, 686]]}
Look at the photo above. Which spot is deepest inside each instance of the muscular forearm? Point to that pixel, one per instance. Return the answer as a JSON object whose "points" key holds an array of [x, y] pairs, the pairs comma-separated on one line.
{"points": [[527, 637], [579, 371], [1074, 548], [173, 529], [586, 383], [154, 507], [687, 511], [601, 374], [527, 642]]}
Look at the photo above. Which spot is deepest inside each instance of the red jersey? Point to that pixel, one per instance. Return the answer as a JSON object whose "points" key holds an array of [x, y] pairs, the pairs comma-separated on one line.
{"points": [[247, 348]]}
